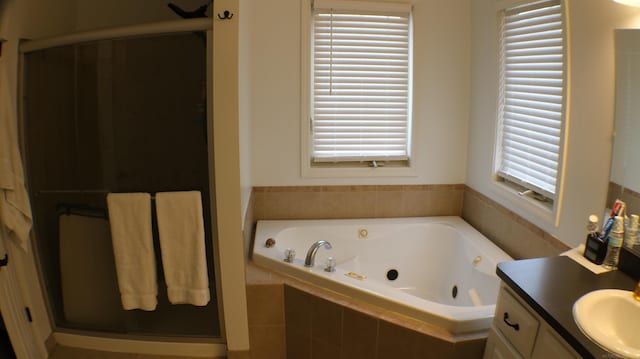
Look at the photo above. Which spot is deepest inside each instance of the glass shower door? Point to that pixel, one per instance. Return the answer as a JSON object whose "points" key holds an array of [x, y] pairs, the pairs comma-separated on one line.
{"points": [[122, 115]]}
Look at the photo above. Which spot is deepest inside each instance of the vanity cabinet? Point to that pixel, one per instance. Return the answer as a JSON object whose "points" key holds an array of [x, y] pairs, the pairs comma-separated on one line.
{"points": [[518, 332]]}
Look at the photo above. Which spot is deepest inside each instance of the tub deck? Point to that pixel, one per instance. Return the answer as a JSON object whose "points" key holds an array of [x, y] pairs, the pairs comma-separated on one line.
{"points": [[350, 282]]}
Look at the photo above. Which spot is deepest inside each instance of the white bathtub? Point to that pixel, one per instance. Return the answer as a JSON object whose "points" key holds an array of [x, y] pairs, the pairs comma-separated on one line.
{"points": [[446, 269]]}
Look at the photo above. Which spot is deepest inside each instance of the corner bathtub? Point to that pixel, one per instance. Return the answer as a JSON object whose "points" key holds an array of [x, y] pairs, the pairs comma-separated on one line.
{"points": [[445, 268]]}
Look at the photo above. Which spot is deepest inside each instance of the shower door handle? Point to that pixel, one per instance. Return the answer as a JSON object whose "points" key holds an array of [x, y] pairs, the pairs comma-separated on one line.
{"points": [[4, 261]]}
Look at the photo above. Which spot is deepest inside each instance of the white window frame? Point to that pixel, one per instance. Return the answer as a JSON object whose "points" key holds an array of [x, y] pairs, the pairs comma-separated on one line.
{"points": [[512, 191], [338, 169]]}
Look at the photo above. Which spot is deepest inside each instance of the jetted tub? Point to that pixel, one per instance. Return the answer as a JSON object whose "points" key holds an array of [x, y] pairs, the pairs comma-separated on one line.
{"points": [[436, 269]]}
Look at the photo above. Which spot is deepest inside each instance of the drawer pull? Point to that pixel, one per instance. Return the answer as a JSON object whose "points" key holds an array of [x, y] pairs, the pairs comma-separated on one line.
{"points": [[516, 326]]}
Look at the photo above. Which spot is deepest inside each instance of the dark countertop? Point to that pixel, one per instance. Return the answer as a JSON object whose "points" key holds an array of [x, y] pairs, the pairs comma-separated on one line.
{"points": [[551, 285]]}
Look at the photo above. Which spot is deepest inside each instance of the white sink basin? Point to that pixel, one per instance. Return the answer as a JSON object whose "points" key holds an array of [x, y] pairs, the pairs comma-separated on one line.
{"points": [[611, 318]]}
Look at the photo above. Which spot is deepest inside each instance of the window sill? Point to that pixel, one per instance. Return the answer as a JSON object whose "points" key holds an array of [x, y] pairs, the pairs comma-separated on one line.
{"points": [[346, 172], [531, 209]]}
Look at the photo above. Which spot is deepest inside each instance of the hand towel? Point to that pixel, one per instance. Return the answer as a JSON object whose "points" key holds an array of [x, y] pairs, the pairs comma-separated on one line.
{"points": [[15, 210], [181, 229], [132, 239]]}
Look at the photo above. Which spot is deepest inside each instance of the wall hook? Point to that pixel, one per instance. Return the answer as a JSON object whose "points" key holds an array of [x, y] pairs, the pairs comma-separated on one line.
{"points": [[226, 15]]}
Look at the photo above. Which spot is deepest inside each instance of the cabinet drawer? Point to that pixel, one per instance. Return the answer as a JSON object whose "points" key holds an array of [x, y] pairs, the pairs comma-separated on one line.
{"points": [[516, 323]]}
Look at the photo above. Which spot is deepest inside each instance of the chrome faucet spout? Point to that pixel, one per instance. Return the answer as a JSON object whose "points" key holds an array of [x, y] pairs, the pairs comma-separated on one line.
{"points": [[311, 253]]}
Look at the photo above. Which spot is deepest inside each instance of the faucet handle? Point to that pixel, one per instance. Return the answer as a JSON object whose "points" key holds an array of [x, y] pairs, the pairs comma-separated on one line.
{"points": [[290, 255], [330, 265]]}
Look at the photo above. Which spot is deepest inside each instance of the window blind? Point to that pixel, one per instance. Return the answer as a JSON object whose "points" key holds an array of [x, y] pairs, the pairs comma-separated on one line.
{"points": [[532, 95], [360, 83]]}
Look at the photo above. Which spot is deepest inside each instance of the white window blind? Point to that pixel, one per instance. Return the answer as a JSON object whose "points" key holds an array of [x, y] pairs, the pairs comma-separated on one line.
{"points": [[360, 82], [532, 95]]}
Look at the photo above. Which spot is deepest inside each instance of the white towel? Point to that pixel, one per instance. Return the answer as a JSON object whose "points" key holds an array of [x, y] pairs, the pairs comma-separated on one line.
{"points": [[181, 229], [130, 222], [15, 210]]}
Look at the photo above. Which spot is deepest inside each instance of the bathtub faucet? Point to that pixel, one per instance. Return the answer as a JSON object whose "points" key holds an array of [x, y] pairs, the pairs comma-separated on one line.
{"points": [[311, 254]]}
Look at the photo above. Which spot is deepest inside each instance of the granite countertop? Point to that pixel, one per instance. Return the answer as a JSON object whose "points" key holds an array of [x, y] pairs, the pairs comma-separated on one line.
{"points": [[551, 285]]}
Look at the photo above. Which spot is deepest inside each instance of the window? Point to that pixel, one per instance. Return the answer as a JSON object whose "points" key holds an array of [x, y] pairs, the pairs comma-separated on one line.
{"points": [[532, 97], [360, 82]]}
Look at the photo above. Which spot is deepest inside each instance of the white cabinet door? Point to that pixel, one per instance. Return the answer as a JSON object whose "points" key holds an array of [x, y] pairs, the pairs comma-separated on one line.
{"points": [[499, 348], [549, 345], [519, 332]]}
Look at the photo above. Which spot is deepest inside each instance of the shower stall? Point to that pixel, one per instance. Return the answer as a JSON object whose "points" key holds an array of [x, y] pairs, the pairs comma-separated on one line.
{"points": [[116, 111]]}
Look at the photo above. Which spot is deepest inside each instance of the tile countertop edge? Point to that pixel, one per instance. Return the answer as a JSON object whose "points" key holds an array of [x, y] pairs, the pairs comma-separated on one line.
{"points": [[551, 285]]}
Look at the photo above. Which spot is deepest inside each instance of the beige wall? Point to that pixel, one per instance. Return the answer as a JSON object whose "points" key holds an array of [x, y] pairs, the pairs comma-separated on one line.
{"points": [[22, 20], [441, 94], [99, 14], [227, 178], [591, 106], [244, 83]]}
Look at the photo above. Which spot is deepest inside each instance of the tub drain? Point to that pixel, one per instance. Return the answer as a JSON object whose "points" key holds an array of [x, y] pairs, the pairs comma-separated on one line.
{"points": [[392, 274], [454, 291]]}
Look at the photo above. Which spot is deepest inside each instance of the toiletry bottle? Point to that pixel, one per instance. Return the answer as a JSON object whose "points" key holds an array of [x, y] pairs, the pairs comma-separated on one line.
{"points": [[615, 242], [631, 234], [592, 226]]}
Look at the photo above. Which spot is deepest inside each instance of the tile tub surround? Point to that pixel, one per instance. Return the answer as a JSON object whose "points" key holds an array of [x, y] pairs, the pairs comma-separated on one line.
{"points": [[322, 323], [265, 311], [326, 202], [631, 198], [341, 202], [513, 234], [382, 330]]}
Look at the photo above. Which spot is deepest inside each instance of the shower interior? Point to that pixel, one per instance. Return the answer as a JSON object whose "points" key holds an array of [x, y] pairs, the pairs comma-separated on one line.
{"points": [[117, 115]]}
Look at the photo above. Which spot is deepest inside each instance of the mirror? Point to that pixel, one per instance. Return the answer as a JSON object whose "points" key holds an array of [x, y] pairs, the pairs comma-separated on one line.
{"points": [[625, 163]]}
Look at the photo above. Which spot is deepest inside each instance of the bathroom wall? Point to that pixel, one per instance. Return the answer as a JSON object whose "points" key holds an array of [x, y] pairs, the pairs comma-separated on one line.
{"points": [[98, 14], [24, 19], [272, 87], [244, 99], [590, 104]]}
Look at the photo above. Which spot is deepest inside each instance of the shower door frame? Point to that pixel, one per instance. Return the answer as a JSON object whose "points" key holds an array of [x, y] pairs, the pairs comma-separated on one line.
{"points": [[13, 304], [155, 344]]}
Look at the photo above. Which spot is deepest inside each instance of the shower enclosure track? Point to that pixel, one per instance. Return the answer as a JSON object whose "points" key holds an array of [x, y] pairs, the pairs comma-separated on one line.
{"points": [[156, 28]]}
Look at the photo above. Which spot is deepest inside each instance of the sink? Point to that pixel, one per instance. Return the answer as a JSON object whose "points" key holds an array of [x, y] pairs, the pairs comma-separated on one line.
{"points": [[611, 318]]}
